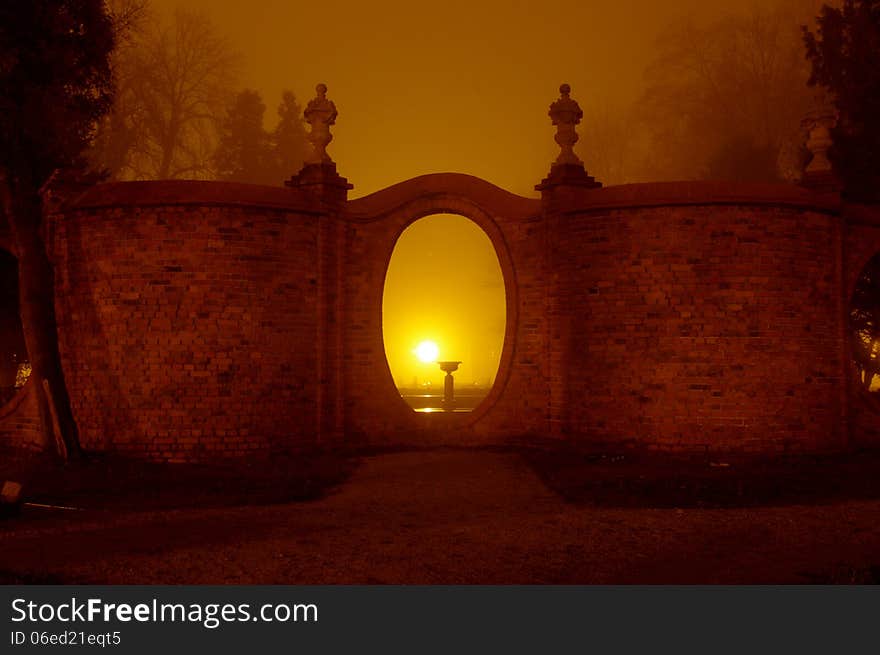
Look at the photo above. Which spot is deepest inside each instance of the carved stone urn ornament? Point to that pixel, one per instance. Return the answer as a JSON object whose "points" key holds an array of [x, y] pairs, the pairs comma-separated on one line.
{"points": [[819, 126], [566, 113], [318, 175], [320, 114], [568, 170], [818, 123]]}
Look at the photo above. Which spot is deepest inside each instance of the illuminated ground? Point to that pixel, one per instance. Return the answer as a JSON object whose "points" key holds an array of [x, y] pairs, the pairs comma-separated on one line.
{"points": [[453, 516]]}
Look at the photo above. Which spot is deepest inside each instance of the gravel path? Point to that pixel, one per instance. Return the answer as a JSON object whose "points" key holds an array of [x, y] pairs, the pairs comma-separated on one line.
{"points": [[447, 517]]}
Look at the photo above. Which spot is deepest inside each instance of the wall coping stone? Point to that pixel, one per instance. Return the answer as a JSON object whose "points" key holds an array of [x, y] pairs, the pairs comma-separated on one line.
{"points": [[449, 185], [192, 192], [667, 194]]}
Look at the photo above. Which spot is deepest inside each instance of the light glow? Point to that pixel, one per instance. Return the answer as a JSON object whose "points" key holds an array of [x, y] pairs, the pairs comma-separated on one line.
{"points": [[427, 351], [444, 286]]}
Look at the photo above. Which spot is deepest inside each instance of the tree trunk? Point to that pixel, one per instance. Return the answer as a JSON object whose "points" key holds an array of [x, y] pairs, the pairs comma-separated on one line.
{"points": [[24, 209]]}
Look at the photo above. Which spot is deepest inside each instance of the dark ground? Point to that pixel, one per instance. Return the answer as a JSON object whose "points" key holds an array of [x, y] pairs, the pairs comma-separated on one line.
{"points": [[450, 516]]}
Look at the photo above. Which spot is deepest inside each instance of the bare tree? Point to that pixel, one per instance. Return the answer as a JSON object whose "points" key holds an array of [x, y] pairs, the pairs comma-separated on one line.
{"points": [[608, 143], [117, 133], [174, 79], [726, 99]]}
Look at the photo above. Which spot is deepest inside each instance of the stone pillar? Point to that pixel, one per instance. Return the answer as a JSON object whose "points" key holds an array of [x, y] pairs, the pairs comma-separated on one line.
{"points": [[318, 178], [449, 385], [568, 180]]}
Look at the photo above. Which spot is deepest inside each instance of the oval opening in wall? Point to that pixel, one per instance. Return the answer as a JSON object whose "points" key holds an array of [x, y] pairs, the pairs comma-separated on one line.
{"points": [[444, 314], [14, 365], [864, 327]]}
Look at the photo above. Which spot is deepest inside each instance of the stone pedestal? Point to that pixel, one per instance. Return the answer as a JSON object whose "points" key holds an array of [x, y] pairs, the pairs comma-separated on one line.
{"points": [[449, 385], [568, 175], [322, 181], [318, 176]]}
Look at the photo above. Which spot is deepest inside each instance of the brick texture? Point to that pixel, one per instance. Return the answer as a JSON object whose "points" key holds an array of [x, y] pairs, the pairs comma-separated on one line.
{"points": [[188, 331], [20, 421], [201, 320]]}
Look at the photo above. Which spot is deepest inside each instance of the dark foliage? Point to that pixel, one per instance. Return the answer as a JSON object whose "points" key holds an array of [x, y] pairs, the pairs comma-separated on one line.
{"points": [[248, 153], [55, 83], [289, 137], [845, 56], [244, 153]]}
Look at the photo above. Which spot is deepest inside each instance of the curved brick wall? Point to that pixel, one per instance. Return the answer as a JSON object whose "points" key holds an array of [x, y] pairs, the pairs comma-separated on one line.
{"points": [[696, 319], [20, 421], [203, 319], [187, 317]]}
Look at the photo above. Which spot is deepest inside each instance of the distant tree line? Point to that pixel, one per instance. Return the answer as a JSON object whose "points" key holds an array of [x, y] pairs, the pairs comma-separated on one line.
{"points": [[175, 112], [89, 84], [722, 100]]}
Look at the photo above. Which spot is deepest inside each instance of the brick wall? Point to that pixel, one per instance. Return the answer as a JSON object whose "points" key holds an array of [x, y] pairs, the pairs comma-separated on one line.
{"points": [[20, 421], [187, 317], [206, 319], [699, 325]]}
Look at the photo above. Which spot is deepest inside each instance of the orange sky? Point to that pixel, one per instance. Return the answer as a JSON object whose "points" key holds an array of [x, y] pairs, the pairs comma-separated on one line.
{"points": [[447, 86], [451, 85]]}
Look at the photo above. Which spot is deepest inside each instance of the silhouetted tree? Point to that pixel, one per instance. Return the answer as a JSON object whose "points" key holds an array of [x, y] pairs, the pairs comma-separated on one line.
{"points": [[244, 153], [55, 84], [247, 153], [845, 58], [726, 99], [289, 137]]}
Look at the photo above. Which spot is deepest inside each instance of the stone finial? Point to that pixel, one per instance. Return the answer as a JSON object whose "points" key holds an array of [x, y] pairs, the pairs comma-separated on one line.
{"points": [[568, 170], [318, 176], [818, 124], [566, 113], [320, 114]]}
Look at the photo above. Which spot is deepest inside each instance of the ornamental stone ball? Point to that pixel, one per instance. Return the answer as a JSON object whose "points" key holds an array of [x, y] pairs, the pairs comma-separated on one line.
{"points": [[565, 113], [320, 114]]}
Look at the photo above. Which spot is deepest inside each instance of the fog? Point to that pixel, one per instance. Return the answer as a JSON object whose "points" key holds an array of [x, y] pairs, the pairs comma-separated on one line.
{"points": [[454, 86], [686, 89]]}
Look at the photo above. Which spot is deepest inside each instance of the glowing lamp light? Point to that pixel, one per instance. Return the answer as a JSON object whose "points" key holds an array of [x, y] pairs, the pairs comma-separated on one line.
{"points": [[427, 352]]}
